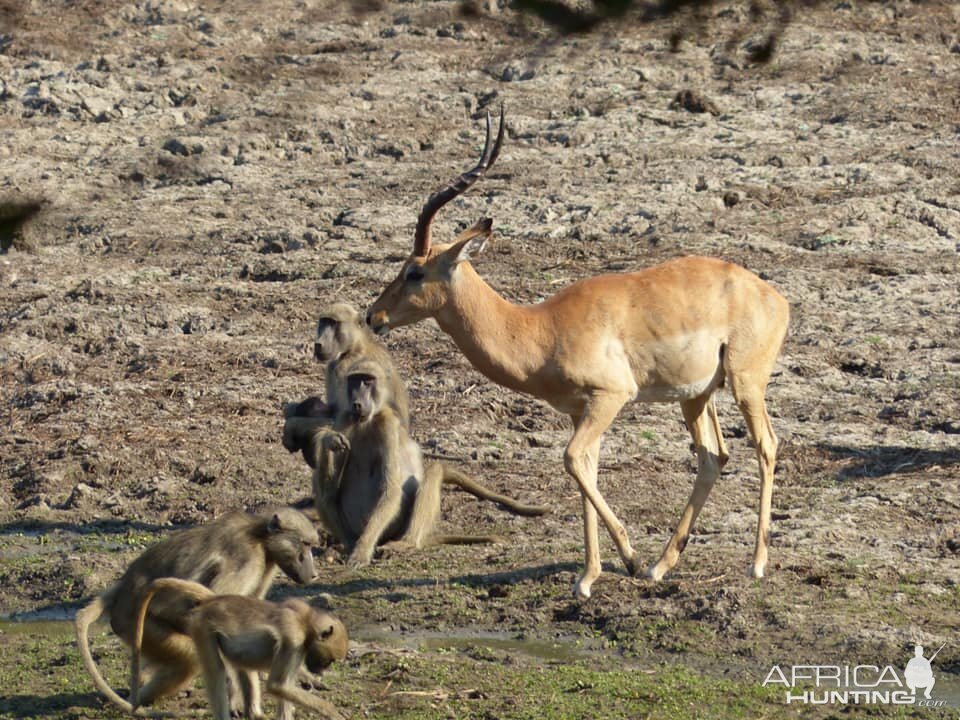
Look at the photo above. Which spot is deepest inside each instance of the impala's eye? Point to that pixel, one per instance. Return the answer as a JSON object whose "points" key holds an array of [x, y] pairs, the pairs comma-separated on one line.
{"points": [[414, 273]]}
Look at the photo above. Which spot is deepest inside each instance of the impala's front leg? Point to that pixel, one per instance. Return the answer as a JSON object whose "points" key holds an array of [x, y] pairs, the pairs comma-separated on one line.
{"points": [[581, 460]]}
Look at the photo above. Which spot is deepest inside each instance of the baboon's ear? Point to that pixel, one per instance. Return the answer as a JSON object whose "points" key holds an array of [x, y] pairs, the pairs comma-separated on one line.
{"points": [[326, 632]]}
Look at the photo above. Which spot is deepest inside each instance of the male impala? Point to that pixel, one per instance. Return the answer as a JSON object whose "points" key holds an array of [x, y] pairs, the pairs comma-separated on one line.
{"points": [[676, 331]]}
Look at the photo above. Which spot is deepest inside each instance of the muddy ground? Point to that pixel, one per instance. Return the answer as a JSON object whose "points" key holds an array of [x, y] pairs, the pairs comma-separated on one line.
{"points": [[212, 173]]}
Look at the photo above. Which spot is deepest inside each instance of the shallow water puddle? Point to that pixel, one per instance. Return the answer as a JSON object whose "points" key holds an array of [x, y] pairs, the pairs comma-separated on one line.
{"points": [[562, 649]]}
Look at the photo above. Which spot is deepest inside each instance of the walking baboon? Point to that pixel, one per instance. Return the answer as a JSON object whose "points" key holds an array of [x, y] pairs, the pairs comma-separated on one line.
{"points": [[234, 554], [370, 484], [251, 634], [342, 339]]}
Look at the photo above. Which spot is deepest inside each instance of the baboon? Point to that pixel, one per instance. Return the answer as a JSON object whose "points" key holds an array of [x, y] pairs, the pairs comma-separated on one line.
{"points": [[251, 634], [236, 554], [370, 484], [342, 339]]}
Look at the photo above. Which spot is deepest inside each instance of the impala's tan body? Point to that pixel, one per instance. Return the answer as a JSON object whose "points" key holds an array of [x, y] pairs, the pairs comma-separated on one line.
{"points": [[677, 331], [654, 335]]}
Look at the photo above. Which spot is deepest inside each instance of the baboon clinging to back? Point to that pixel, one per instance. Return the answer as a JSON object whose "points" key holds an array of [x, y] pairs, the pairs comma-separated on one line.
{"points": [[235, 554], [248, 635], [370, 483]]}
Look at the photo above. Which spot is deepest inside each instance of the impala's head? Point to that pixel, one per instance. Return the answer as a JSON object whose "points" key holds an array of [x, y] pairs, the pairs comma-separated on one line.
{"points": [[423, 286]]}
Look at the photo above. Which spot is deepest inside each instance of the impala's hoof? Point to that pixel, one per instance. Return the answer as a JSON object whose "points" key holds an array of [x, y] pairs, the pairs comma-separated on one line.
{"points": [[633, 566], [581, 589], [655, 573], [756, 571]]}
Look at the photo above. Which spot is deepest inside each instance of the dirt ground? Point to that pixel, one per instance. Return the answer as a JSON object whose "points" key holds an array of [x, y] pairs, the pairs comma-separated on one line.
{"points": [[212, 173]]}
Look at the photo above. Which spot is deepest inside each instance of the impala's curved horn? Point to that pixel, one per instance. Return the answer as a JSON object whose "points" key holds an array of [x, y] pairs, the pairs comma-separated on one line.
{"points": [[457, 186]]}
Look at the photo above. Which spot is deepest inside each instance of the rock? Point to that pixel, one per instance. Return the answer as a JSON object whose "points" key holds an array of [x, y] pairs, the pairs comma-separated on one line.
{"points": [[102, 110], [512, 74], [80, 494], [693, 102], [175, 147], [203, 476]]}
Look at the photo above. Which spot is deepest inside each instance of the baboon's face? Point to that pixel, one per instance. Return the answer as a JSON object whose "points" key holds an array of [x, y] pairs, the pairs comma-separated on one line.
{"points": [[364, 393], [329, 645], [290, 545], [329, 343], [336, 331]]}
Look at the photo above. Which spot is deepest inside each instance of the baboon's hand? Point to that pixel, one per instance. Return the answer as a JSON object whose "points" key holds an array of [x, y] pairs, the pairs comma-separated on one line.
{"points": [[336, 443]]}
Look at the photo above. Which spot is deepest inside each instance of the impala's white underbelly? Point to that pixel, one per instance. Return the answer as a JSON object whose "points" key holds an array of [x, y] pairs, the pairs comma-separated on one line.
{"points": [[681, 368], [671, 393]]}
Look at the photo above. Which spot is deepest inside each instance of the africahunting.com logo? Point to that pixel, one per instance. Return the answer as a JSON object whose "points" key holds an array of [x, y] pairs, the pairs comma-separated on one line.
{"points": [[860, 684]]}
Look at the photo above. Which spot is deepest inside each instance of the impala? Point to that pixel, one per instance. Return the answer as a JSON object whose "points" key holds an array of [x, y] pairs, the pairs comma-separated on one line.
{"points": [[676, 331]]}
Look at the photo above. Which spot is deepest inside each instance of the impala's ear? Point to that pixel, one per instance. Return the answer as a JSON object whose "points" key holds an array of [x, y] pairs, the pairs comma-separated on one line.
{"points": [[472, 241]]}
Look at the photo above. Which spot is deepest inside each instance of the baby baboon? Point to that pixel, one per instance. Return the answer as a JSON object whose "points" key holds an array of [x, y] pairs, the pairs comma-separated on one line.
{"points": [[237, 554], [370, 484], [251, 634], [342, 339]]}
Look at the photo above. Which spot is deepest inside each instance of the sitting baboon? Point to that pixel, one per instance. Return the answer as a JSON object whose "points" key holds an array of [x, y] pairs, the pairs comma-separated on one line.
{"points": [[234, 554], [370, 484], [250, 634], [342, 339]]}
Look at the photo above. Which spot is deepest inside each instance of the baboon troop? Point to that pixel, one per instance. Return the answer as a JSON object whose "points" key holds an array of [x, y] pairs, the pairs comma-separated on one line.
{"points": [[194, 603], [249, 634], [236, 554]]}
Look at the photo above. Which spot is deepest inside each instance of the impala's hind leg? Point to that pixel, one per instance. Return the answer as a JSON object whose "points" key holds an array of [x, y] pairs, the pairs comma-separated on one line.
{"points": [[751, 403], [700, 417], [749, 359]]}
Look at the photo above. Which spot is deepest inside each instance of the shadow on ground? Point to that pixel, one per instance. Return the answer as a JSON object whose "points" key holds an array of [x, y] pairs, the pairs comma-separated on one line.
{"points": [[28, 706], [100, 527], [880, 460]]}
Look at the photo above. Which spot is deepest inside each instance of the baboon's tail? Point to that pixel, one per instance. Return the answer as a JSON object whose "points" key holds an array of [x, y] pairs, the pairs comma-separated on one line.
{"points": [[193, 590], [82, 622], [452, 476], [466, 540]]}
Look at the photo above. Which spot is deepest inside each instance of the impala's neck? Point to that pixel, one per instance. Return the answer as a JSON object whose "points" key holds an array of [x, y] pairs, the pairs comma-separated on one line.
{"points": [[500, 339]]}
